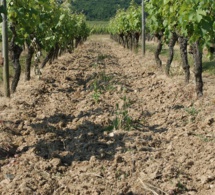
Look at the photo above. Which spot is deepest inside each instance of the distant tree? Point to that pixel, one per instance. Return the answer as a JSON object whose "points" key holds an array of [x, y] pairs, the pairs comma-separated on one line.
{"points": [[100, 9]]}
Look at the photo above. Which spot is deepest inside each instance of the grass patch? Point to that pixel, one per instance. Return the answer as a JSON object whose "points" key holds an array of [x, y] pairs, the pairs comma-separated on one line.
{"points": [[122, 118], [98, 27], [101, 83], [192, 111], [22, 63], [206, 139], [209, 67], [152, 46], [11, 70]]}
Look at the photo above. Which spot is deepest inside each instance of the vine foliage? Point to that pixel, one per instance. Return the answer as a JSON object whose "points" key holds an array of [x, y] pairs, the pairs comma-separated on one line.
{"points": [[45, 25]]}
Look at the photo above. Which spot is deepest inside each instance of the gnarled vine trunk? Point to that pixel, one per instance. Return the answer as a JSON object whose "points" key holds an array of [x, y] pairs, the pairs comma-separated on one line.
{"points": [[172, 43], [137, 37], [15, 52], [183, 42], [131, 41], [56, 52], [28, 62], [197, 56], [127, 41], [77, 41], [48, 57], [159, 48], [122, 38]]}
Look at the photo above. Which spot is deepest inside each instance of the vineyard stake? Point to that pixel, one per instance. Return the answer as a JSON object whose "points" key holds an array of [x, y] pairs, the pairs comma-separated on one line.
{"points": [[5, 50], [143, 29]]}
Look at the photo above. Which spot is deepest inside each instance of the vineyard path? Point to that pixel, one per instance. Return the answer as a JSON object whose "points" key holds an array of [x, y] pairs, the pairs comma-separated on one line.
{"points": [[105, 121]]}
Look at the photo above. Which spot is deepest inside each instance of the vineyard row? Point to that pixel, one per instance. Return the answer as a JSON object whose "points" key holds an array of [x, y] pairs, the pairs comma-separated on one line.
{"points": [[190, 23], [41, 25]]}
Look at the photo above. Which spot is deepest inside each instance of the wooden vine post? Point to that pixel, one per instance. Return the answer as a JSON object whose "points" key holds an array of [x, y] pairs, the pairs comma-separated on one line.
{"points": [[143, 29], [5, 48]]}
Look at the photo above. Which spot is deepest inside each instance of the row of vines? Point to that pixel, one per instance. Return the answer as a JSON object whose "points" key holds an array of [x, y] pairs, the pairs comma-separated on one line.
{"points": [[186, 22], [41, 26], [125, 27]]}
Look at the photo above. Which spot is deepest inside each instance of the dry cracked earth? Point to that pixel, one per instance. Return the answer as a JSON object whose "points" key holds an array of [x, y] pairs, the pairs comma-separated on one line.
{"points": [[105, 121]]}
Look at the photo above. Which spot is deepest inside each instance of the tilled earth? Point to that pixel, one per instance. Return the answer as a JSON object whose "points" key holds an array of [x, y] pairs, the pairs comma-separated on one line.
{"points": [[104, 120]]}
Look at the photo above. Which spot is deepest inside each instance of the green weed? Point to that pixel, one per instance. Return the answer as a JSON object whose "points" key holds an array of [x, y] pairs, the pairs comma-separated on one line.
{"points": [[102, 83], [122, 119], [208, 66], [181, 187], [96, 95], [192, 111], [101, 57], [98, 27], [206, 139]]}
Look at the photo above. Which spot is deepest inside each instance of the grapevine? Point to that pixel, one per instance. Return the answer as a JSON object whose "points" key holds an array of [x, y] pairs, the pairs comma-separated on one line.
{"points": [[191, 22], [42, 25], [125, 27]]}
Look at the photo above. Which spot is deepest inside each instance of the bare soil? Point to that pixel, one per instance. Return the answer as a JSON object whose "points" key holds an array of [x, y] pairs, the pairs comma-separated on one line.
{"points": [[104, 120]]}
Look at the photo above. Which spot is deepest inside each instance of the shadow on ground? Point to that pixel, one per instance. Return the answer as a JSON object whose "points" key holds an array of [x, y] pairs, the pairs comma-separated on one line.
{"points": [[78, 144]]}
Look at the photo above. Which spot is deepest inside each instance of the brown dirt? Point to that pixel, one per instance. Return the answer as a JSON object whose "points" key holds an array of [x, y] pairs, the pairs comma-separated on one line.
{"points": [[56, 133]]}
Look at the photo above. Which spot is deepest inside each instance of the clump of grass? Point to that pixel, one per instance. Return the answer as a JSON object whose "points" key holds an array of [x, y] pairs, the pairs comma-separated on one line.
{"points": [[122, 119], [101, 84], [96, 95], [209, 67], [98, 27], [101, 57], [192, 111], [207, 138]]}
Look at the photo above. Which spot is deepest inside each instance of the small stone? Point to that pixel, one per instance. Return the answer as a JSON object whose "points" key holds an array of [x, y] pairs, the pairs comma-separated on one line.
{"points": [[122, 177], [5, 182], [211, 178], [92, 159], [55, 162], [62, 168], [24, 189], [170, 147], [192, 193], [109, 177], [182, 159], [20, 127], [119, 88], [204, 179], [105, 133]]}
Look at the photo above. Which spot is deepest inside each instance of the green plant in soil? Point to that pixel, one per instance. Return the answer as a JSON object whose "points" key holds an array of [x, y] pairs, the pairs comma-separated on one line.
{"points": [[96, 94], [207, 139], [122, 119], [181, 187], [102, 83], [192, 111], [102, 57], [98, 27]]}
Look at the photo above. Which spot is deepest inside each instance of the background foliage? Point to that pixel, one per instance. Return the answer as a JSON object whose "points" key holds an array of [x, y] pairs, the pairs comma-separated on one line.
{"points": [[100, 9]]}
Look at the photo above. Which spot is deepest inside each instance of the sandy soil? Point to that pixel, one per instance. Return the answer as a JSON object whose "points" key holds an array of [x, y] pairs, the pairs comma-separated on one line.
{"points": [[104, 120]]}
